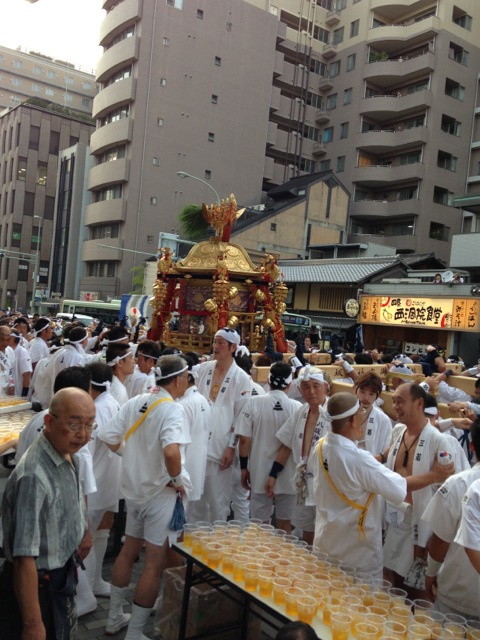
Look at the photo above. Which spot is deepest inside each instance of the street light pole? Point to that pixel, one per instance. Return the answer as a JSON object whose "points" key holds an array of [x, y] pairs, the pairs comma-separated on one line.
{"points": [[183, 174], [37, 261]]}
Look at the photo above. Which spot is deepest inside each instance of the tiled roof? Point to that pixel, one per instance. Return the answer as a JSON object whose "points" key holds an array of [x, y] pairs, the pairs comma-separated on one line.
{"points": [[343, 270]]}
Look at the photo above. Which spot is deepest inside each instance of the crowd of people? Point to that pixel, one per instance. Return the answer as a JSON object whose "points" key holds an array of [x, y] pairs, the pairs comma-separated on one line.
{"points": [[189, 438]]}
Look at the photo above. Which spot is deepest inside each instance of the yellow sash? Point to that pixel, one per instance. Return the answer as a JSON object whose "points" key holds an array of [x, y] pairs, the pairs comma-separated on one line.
{"points": [[354, 505], [134, 427]]}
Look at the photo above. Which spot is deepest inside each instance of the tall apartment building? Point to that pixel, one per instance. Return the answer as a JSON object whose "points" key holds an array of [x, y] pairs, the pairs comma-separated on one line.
{"points": [[31, 139], [27, 74], [246, 94]]}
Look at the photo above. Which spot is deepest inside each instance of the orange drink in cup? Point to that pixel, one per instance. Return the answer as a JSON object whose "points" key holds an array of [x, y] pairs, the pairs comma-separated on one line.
{"points": [[213, 554], [330, 604], [265, 582], [376, 621], [279, 587], [307, 608], [187, 534], [396, 630], [419, 632], [251, 576], [239, 562], [227, 561], [365, 631], [341, 624], [358, 613], [291, 596]]}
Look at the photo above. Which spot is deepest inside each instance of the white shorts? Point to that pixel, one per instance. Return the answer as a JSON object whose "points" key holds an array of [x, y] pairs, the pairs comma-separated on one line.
{"points": [[261, 506], [304, 518], [150, 520]]}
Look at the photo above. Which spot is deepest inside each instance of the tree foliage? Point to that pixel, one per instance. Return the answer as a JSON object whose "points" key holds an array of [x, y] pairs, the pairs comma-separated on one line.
{"points": [[194, 226]]}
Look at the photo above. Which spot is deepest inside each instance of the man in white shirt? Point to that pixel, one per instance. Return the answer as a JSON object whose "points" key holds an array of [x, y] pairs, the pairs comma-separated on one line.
{"points": [[261, 418], [7, 360], [143, 377], [38, 347], [469, 532], [119, 356], [154, 430], [22, 369], [451, 580]]}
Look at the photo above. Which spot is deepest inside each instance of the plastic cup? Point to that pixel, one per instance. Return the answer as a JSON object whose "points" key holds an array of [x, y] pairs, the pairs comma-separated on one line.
{"points": [[341, 624], [291, 597], [329, 605], [251, 576], [473, 630], [455, 618], [239, 562], [265, 583], [459, 630], [187, 534], [442, 634], [307, 608], [422, 605], [358, 614], [401, 614], [338, 587], [419, 632], [279, 587], [365, 631], [381, 599], [395, 630], [227, 562], [397, 596], [213, 555], [377, 621]]}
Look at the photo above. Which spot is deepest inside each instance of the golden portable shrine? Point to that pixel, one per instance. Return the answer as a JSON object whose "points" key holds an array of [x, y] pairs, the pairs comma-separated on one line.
{"points": [[216, 286]]}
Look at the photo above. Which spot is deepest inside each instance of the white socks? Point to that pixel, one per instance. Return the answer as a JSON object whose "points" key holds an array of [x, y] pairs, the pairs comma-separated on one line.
{"points": [[100, 541], [138, 620]]}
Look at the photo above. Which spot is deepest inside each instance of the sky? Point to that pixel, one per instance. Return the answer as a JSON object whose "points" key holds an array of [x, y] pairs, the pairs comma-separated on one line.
{"points": [[63, 29]]}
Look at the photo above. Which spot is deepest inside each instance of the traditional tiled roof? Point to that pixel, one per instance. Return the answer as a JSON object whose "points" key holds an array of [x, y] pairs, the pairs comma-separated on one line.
{"points": [[340, 270]]}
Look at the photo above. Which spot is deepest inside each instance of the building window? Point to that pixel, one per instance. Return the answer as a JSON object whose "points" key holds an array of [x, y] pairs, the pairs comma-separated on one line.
{"points": [[86, 102], [458, 54], [37, 70], [450, 125], [101, 269], [159, 122], [18, 64], [200, 14], [218, 61], [439, 231], [354, 28], [51, 73], [34, 137], [116, 115], [16, 82], [163, 82], [16, 234], [153, 200], [166, 42], [328, 134], [68, 80], [445, 160], [67, 97], [331, 102], [156, 161], [407, 193], [341, 163], [214, 99], [113, 192], [324, 165], [49, 92], [334, 69], [309, 166], [461, 18], [228, 26], [454, 89], [273, 226], [347, 96], [208, 174], [42, 174], [321, 34], [22, 169], [443, 196], [54, 143], [86, 85], [338, 35], [344, 130], [177, 4], [112, 154], [351, 61], [407, 158], [35, 87], [211, 137], [103, 231]]}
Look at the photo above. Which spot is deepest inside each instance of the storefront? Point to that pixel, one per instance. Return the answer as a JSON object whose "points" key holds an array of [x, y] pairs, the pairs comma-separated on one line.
{"points": [[409, 323]]}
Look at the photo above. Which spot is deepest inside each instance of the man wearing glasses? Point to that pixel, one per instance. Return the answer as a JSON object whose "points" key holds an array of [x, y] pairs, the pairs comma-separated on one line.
{"points": [[45, 525]]}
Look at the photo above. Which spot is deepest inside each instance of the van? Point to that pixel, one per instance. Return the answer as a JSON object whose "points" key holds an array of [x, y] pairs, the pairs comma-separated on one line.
{"points": [[79, 317]]}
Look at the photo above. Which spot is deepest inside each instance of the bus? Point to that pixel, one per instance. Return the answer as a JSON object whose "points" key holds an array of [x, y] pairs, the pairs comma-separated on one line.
{"points": [[106, 312], [296, 325]]}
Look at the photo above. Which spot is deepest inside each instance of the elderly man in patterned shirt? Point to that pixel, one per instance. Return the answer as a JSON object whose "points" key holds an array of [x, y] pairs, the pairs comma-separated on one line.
{"points": [[44, 525]]}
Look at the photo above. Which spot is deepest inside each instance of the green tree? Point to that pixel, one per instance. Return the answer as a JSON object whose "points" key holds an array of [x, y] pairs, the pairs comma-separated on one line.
{"points": [[194, 226], [138, 275]]}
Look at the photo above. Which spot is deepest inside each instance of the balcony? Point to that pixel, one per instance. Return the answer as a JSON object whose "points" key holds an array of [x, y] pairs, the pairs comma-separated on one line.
{"points": [[398, 139], [278, 62], [395, 9], [271, 134], [113, 96], [384, 107], [426, 28], [268, 169], [106, 211], [329, 50], [333, 18], [371, 209], [91, 251], [406, 242], [104, 174], [322, 115], [385, 72], [110, 134], [380, 175], [326, 83], [124, 13], [117, 57], [319, 149]]}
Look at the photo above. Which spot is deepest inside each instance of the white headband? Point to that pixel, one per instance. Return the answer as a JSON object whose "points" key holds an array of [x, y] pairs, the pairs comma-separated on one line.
{"points": [[345, 414], [305, 374], [431, 411], [67, 340], [230, 335], [107, 384], [159, 375], [279, 381], [116, 340], [242, 350], [113, 362]]}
